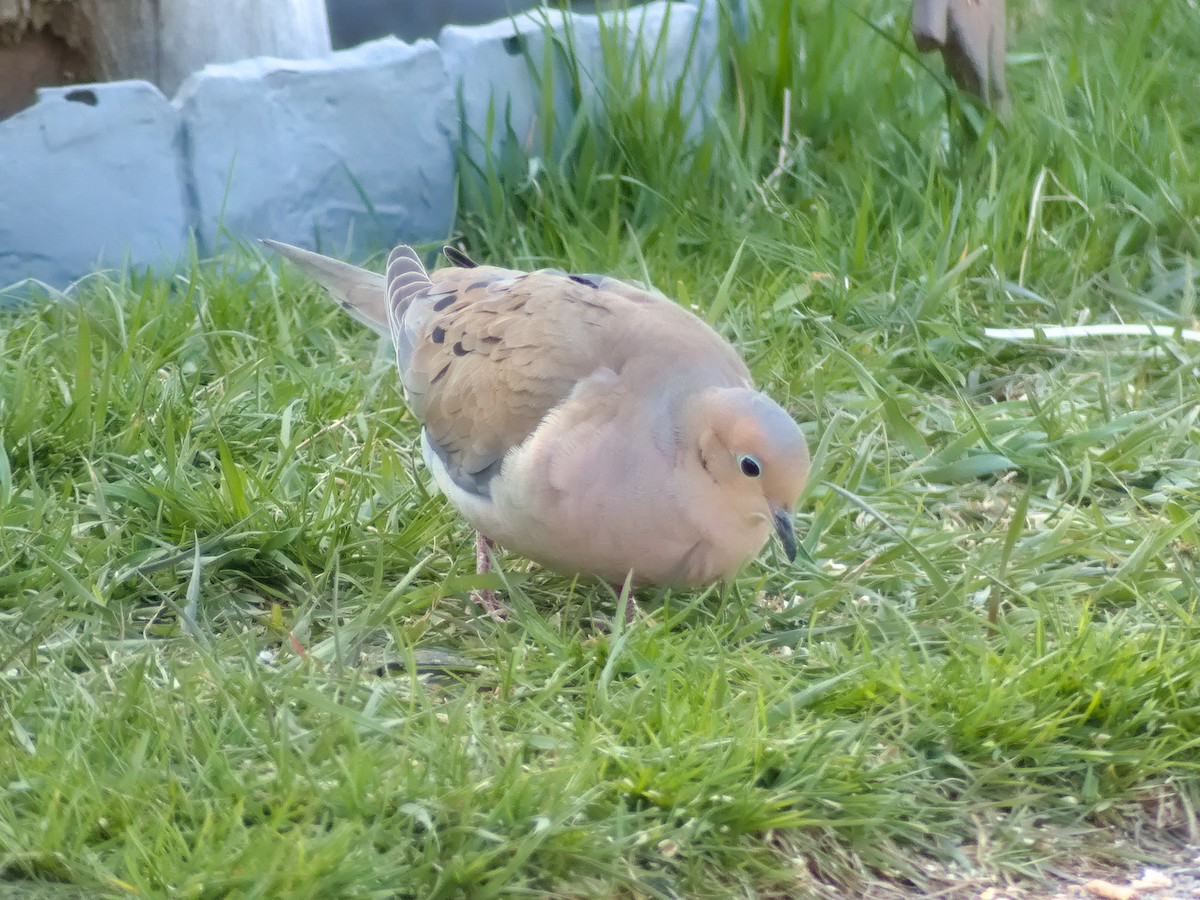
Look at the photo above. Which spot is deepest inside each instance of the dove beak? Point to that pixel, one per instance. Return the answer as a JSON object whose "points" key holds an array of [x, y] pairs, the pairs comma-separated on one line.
{"points": [[782, 520]]}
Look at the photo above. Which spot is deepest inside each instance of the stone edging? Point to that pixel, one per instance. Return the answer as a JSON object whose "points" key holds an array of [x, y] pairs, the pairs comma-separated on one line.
{"points": [[353, 152]]}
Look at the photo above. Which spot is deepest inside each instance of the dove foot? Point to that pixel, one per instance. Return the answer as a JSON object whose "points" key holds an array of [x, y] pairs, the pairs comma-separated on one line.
{"points": [[486, 600]]}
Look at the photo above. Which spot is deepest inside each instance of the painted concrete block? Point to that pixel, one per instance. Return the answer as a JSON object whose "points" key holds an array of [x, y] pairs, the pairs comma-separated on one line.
{"points": [[500, 71], [737, 12], [90, 179], [349, 153], [671, 50], [509, 70]]}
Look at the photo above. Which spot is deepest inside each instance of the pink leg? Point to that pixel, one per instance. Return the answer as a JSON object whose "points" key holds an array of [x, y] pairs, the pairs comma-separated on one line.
{"points": [[632, 611], [483, 561], [486, 600]]}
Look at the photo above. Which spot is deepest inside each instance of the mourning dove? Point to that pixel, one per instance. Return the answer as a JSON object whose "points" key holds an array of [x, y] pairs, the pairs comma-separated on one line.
{"points": [[971, 36], [591, 425]]}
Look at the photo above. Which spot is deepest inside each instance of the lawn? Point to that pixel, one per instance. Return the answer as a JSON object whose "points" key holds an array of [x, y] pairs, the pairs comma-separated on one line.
{"points": [[237, 656]]}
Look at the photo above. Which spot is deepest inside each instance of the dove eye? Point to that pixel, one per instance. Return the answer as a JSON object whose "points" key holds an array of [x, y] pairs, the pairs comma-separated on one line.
{"points": [[750, 466]]}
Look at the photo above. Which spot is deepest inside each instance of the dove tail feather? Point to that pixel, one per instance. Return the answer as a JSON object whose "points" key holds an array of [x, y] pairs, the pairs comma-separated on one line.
{"points": [[406, 278], [361, 293]]}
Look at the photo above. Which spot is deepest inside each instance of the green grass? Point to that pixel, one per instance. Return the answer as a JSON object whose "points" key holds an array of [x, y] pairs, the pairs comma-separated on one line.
{"points": [[236, 654]]}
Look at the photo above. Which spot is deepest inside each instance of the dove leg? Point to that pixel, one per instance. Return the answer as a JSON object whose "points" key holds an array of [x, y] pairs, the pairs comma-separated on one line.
{"points": [[483, 559], [486, 600]]}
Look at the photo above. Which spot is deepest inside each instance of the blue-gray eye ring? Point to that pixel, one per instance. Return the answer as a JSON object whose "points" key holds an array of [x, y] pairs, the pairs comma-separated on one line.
{"points": [[750, 466]]}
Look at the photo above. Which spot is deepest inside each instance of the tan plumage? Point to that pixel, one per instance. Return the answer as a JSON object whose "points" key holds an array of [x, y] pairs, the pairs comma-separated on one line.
{"points": [[568, 416]]}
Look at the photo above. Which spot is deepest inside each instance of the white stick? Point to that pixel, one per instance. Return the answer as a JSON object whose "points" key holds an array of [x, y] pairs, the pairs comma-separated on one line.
{"points": [[1061, 332]]}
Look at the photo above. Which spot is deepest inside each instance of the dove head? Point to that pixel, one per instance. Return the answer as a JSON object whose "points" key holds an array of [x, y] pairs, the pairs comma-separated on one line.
{"points": [[756, 456]]}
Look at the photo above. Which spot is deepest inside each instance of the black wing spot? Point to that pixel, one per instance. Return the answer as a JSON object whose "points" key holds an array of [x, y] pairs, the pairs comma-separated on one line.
{"points": [[479, 284], [444, 302], [459, 259], [438, 377], [592, 281], [459, 349], [438, 334]]}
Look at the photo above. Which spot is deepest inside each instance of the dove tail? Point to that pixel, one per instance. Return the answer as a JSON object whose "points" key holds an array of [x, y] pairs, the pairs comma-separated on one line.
{"points": [[361, 293]]}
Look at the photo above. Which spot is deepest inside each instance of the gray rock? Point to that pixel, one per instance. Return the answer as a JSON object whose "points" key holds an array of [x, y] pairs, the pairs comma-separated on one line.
{"points": [[353, 152], [90, 179]]}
